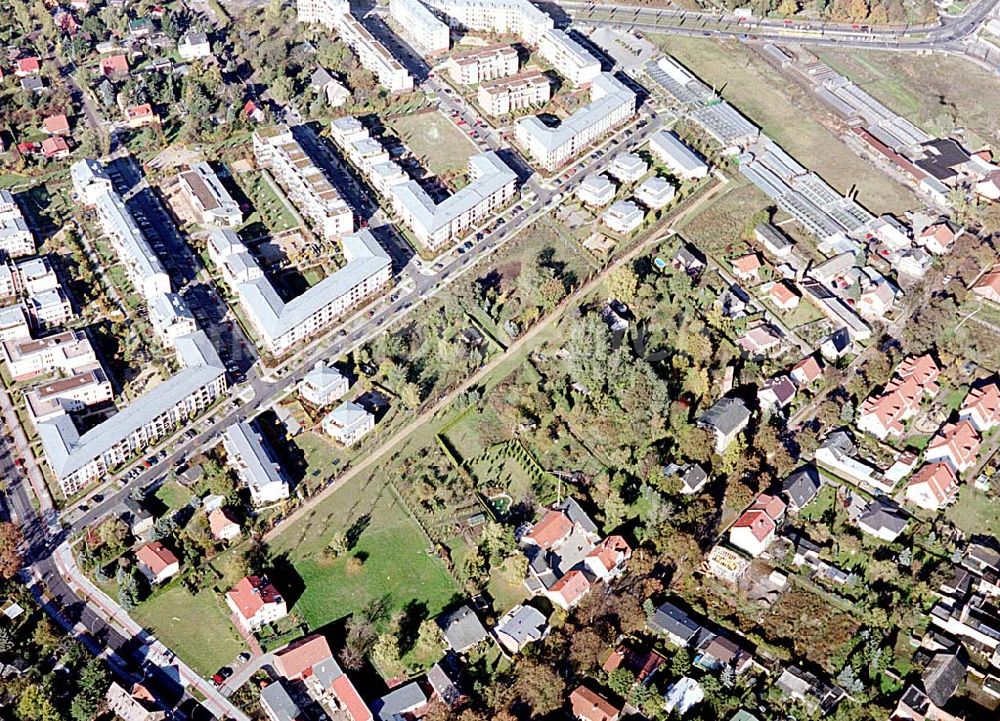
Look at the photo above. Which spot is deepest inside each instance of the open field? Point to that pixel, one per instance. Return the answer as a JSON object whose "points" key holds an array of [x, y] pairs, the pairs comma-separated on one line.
{"points": [[197, 628], [923, 90], [396, 562], [783, 111], [438, 144], [975, 512]]}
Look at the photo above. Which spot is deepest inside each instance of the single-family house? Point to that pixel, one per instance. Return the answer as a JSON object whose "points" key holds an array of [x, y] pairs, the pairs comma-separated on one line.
{"points": [[27, 66], [715, 652], [255, 601], [402, 703], [882, 520], [114, 64], [806, 372], [877, 300], [754, 530], [981, 407], [628, 167], [608, 559], [988, 287], [56, 124], [323, 385], [726, 418], [623, 216], [956, 444], [836, 345], [223, 525], [348, 423], [692, 476], [33, 84], [520, 626], [157, 562], [784, 295], [461, 629], [689, 259], [596, 190], [139, 115], [139, 520], [747, 267], [674, 623], [278, 704], [938, 238], [761, 340], [802, 487], [194, 45], [776, 393], [569, 590], [589, 705], [932, 487], [55, 148], [805, 686]]}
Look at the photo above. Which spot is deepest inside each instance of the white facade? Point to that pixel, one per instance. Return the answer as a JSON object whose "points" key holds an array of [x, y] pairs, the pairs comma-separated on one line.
{"points": [[323, 385], [623, 217], [65, 352], [482, 64], [655, 193], [90, 180], [514, 17], [596, 190], [628, 167], [568, 57], [171, 318], [255, 465], [307, 187], [681, 160], [85, 388], [419, 24], [48, 309], [209, 198], [348, 423], [611, 105], [16, 238], [193, 46], [499, 97], [142, 266]]}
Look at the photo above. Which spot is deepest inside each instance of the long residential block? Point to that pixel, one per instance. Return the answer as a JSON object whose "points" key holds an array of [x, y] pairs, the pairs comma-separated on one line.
{"points": [[76, 460], [513, 17], [483, 64], [64, 352], [281, 325], [90, 180], [209, 198], [256, 466], [307, 187], [611, 105], [419, 24], [142, 266], [525, 90], [568, 57]]}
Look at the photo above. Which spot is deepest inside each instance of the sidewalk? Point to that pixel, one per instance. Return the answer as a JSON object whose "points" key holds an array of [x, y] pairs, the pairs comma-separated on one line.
{"points": [[116, 617]]}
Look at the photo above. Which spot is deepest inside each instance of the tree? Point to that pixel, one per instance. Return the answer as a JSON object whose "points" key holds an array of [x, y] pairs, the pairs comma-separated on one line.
{"points": [[92, 684], [585, 649], [34, 704], [6, 640], [409, 395], [11, 540], [621, 681], [386, 654], [337, 546], [623, 284], [539, 687]]}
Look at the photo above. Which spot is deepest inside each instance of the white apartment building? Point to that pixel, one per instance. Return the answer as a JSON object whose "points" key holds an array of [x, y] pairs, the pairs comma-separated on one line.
{"points": [[655, 192], [596, 190], [611, 105], [428, 33], [481, 64], [323, 385], [682, 161], [255, 465], [65, 352], [513, 17], [76, 460], [623, 217], [372, 54], [14, 323], [8, 281], [506, 95], [348, 423], [307, 187], [209, 198], [628, 167], [491, 186], [48, 309], [90, 180], [171, 318], [281, 325], [568, 57], [16, 238], [34, 275], [142, 266], [367, 155], [85, 388]]}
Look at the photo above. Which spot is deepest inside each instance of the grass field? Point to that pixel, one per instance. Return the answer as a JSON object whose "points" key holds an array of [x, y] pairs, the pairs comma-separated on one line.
{"points": [[196, 628], [975, 512], [434, 139], [396, 563], [922, 89], [173, 495], [783, 111], [269, 209]]}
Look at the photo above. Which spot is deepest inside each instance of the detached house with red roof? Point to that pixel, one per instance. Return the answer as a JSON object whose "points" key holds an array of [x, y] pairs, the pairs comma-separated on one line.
{"points": [[310, 661], [938, 238], [956, 444], [114, 64], [140, 115], [569, 590], [806, 372], [747, 267], [988, 287], [27, 66], [981, 407], [755, 529], [254, 602], [933, 487], [222, 525], [589, 705], [55, 148], [784, 295], [56, 125], [157, 562], [608, 559]]}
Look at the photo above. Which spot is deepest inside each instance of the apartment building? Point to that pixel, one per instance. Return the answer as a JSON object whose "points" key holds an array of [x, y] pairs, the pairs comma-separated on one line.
{"points": [[611, 105], [142, 267], [492, 185], [682, 161], [372, 54], [254, 602], [526, 90], [34, 275], [16, 238], [171, 318], [65, 352], [348, 423], [76, 460], [90, 181], [137, 705], [14, 323], [504, 17], [367, 155], [568, 57], [208, 198], [281, 325], [428, 33], [482, 64], [307, 187], [84, 388], [48, 309], [255, 464]]}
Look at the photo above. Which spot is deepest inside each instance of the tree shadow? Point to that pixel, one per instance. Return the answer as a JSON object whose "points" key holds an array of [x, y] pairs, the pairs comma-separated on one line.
{"points": [[286, 578], [414, 614], [353, 533]]}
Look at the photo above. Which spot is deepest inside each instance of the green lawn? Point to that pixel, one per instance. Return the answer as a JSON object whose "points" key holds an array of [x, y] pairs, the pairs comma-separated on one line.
{"points": [[172, 495], [196, 628], [975, 512], [319, 451], [396, 561], [440, 146]]}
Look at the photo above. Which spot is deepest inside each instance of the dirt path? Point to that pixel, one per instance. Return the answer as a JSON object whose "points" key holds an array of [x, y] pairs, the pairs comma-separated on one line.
{"points": [[655, 235]]}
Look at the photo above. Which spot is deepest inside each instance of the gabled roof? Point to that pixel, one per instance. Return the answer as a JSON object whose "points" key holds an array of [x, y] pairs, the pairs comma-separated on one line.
{"points": [[942, 677], [985, 401], [219, 520], [726, 416], [878, 515], [252, 593], [56, 123], [572, 587], [608, 551], [747, 264], [809, 368], [939, 479], [552, 528], [782, 388], [760, 525], [297, 660], [588, 705], [156, 557], [670, 619], [461, 628], [802, 486]]}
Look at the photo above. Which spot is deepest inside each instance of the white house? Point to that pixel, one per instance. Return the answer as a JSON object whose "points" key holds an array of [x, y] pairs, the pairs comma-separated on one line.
{"points": [[156, 562], [193, 46], [254, 602], [348, 423]]}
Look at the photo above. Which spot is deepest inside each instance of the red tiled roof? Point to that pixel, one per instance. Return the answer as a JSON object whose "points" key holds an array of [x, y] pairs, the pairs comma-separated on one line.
{"points": [[589, 705], [760, 524], [989, 285], [219, 520], [573, 586], [809, 368], [56, 124], [156, 557], [297, 659], [28, 65], [924, 369], [961, 439], [940, 232], [114, 64], [554, 526], [939, 479], [139, 111], [54, 146], [608, 551], [350, 699], [985, 401], [251, 594], [771, 505], [783, 294], [747, 264]]}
